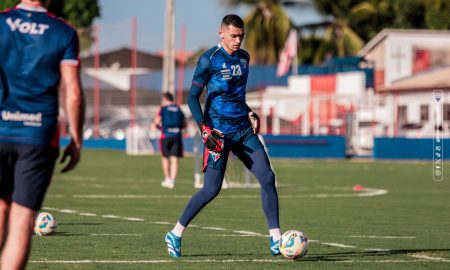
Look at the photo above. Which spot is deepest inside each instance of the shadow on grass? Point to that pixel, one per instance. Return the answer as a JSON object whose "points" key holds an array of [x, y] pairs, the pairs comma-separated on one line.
{"points": [[329, 257]]}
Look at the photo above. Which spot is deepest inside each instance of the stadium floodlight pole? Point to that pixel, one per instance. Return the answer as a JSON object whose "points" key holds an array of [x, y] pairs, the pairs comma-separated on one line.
{"points": [[294, 64], [96, 82], [182, 61], [133, 72], [169, 49]]}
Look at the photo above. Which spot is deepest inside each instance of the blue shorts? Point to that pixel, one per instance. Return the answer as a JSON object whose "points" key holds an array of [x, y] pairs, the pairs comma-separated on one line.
{"points": [[172, 146], [242, 143], [25, 172]]}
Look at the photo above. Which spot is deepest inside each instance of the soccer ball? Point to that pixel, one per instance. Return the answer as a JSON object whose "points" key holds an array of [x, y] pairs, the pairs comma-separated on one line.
{"points": [[45, 224], [293, 244]]}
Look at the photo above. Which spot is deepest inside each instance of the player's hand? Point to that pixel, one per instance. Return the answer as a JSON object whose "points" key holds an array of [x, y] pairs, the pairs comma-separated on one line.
{"points": [[72, 151], [254, 121], [212, 138]]}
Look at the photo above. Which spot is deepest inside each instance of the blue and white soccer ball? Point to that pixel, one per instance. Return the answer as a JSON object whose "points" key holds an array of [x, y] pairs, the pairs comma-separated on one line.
{"points": [[45, 224], [294, 244]]}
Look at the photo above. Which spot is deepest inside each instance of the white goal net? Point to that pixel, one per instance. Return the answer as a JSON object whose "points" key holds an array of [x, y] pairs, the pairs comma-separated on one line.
{"points": [[138, 141], [236, 174]]}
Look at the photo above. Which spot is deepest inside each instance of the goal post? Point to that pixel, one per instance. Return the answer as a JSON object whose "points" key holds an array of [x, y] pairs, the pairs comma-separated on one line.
{"points": [[138, 141]]}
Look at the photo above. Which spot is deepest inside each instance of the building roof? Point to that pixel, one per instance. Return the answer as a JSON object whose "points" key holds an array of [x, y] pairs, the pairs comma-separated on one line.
{"points": [[388, 32], [431, 79], [121, 58]]}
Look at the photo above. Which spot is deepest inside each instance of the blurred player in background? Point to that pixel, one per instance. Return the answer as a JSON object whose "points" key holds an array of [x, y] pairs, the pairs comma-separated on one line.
{"points": [[37, 50], [171, 121], [227, 124]]}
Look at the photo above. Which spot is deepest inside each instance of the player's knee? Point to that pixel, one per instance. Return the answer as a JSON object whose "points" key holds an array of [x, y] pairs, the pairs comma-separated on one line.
{"points": [[268, 180], [209, 193], [5, 204]]}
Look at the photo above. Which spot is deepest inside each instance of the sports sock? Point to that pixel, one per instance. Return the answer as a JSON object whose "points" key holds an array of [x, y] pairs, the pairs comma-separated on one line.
{"points": [[178, 229], [275, 234]]}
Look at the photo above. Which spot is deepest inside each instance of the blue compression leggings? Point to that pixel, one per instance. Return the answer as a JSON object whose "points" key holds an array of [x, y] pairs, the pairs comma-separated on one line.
{"points": [[260, 167]]}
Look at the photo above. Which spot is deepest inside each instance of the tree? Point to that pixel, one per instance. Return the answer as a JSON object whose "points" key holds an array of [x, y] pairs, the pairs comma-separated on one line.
{"points": [[4, 4], [79, 13], [437, 15], [267, 28], [339, 38]]}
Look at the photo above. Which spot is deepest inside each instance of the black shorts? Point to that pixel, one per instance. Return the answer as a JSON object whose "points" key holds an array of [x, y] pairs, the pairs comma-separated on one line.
{"points": [[172, 146], [25, 172]]}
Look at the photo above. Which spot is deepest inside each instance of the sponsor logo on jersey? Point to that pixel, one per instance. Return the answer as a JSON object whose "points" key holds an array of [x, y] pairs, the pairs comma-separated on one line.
{"points": [[226, 73], [31, 28], [172, 108], [173, 130], [28, 119]]}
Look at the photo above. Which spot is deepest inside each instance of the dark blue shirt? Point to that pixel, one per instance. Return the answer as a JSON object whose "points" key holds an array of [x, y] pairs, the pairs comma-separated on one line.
{"points": [[225, 77], [33, 45], [172, 121]]}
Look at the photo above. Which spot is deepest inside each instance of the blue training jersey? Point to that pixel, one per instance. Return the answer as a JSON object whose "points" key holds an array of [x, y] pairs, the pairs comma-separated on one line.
{"points": [[33, 45], [172, 121], [225, 77]]}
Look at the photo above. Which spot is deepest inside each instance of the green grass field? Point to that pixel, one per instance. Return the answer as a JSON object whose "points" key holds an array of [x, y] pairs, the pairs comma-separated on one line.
{"points": [[113, 214]]}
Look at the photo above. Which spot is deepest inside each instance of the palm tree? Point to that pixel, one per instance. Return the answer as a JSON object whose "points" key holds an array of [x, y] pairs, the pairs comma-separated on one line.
{"points": [[267, 28], [339, 38]]}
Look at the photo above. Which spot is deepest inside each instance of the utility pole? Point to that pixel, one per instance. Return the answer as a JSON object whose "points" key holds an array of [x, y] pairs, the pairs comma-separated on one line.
{"points": [[169, 49]]}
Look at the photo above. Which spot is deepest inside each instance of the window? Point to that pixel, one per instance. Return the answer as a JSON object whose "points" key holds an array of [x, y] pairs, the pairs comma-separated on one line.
{"points": [[402, 114], [446, 112], [424, 113]]}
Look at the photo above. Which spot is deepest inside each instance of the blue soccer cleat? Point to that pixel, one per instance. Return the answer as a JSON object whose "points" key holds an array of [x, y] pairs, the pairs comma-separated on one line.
{"points": [[173, 244], [275, 247]]}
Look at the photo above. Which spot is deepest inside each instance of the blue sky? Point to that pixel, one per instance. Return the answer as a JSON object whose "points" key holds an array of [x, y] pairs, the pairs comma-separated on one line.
{"points": [[201, 17]]}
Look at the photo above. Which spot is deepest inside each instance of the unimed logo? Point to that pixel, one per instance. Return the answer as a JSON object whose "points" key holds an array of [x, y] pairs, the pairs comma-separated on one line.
{"points": [[29, 119]]}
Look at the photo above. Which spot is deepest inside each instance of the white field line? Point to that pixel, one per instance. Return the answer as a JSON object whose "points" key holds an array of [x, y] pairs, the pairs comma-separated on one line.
{"points": [[249, 233], [236, 232], [205, 261], [381, 237], [234, 235], [337, 245], [87, 214], [214, 228], [160, 222], [429, 258], [377, 249], [366, 192], [116, 234]]}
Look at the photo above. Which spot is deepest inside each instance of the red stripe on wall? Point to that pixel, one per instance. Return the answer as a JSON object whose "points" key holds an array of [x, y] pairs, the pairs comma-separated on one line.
{"points": [[323, 84]]}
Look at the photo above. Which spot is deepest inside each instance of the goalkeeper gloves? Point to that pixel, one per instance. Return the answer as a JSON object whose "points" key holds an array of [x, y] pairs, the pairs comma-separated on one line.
{"points": [[212, 138], [254, 121]]}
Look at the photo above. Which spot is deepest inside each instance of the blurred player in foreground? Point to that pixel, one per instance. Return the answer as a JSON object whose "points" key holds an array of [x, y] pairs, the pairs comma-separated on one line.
{"points": [[170, 119], [37, 50], [227, 124]]}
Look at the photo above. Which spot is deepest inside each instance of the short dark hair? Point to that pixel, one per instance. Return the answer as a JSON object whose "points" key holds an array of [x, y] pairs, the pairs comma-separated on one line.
{"points": [[168, 96], [234, 20]]}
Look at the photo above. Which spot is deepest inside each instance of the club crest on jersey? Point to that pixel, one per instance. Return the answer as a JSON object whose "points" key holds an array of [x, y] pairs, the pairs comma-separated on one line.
{"points": [[215, 156], [244, 62], [27, 27]]}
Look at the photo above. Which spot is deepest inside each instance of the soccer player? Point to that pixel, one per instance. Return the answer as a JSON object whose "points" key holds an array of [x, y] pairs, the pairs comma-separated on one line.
{"points": [[171, 121], [37, 50], [227, 124]]}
